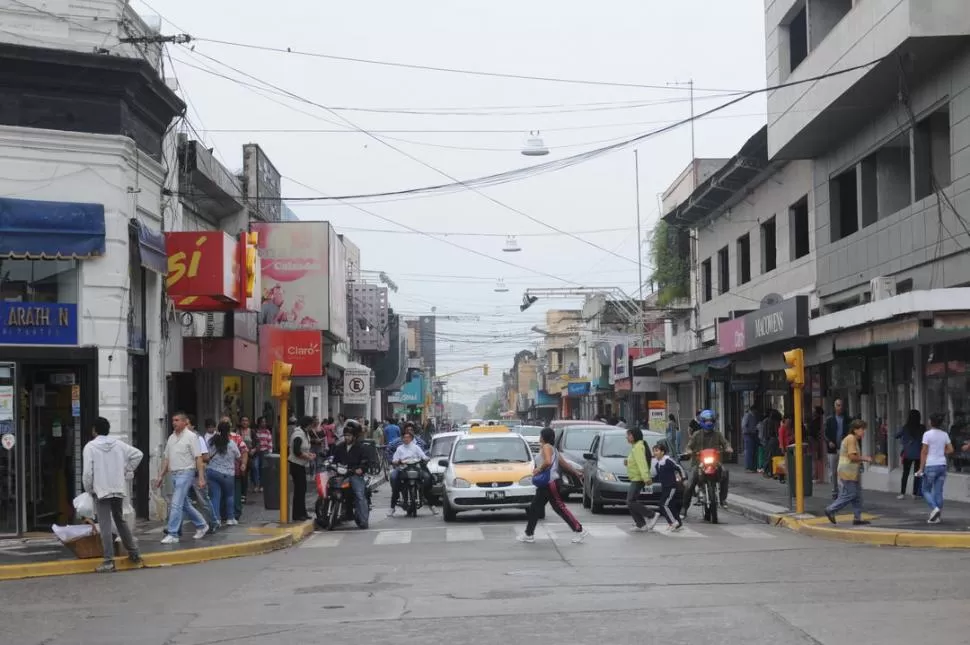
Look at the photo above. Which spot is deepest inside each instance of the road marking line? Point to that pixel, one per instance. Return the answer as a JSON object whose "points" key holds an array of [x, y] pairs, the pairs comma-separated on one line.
{"points": [[607, 531], [748, 532], [467, 534], [322, 541], [683, 533], [393, 537]]}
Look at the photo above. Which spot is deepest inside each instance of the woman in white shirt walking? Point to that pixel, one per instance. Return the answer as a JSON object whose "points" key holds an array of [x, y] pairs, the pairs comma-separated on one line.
{"points": [[932, 467]]}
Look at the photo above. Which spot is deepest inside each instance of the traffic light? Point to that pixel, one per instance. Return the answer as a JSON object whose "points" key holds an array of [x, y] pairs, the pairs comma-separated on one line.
{"points": [[795, 372], [485, 369], [249, 242], [281, 381]]}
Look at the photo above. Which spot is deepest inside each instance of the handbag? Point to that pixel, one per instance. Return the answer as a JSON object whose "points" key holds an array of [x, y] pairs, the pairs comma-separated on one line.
{"points": [[542, 479]]}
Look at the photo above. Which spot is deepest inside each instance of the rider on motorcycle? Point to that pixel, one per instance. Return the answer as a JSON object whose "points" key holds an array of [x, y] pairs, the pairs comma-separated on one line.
{"points": [[707, 437], [409, 450], [350, 453]]}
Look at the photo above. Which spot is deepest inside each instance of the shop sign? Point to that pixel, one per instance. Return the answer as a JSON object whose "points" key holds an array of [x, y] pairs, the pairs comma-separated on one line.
{"points": [[578, 388], [202, 264], [731, 337], [301, 348], [356, 386], [646, 384], [620, 365], [623, 385], [295, 264], [413, 391], [38, 323], [657, 415], [772, 323]]}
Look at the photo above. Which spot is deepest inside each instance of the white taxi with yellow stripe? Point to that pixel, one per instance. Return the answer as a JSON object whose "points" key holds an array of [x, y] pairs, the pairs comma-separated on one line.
{"points": [[487, 471]]}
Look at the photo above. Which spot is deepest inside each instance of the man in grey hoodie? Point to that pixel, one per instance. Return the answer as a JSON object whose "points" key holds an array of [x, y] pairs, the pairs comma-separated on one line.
{"points": [[109, 464]]}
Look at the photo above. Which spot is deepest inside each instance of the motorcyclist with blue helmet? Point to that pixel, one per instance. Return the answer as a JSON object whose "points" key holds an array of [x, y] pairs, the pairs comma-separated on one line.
{"points": [[708, 437]]}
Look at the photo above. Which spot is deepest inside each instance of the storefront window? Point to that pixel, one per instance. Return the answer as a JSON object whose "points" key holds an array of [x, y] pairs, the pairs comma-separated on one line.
{"points": [[903, 378], [947, 392], [39, 280], [879, 380]]}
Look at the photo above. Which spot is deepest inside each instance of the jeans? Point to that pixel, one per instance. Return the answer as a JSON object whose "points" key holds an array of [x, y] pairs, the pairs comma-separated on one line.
{"points": [[545, 495], [361, 510], [834, 473], [110, 508], [933, 479], [181, 485], [917, 481], [256, 469], [751, 451], [395, 479], [221, 490], [638, 511], [850, 492]]}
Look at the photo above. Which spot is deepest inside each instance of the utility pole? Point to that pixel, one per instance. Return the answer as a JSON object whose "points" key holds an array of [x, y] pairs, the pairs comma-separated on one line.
{"points": [[795, 374], [640, 305], [693, 152]]}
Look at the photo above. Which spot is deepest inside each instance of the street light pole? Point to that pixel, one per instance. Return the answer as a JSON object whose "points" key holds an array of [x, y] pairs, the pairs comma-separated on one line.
{"points": [[636, 166]]}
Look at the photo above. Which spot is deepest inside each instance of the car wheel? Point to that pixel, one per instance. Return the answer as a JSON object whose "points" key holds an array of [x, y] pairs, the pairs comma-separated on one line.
{"points": [[587, 502], [447, 512], [595, 507]]}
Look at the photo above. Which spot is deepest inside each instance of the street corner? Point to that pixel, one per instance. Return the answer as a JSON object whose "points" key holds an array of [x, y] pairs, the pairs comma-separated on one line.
{"points": [[264, 539], [875, 536]]}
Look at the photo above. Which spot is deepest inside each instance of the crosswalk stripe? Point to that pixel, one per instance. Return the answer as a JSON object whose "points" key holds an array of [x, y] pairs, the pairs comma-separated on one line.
{"points": [[467, 534], [393, 537], [605, 531], [322, 541], [748, 532], [684, 532]]}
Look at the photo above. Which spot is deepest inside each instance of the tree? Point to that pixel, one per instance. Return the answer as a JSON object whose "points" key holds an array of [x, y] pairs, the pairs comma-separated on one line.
{"points": [[670, 257], [493, 411]]}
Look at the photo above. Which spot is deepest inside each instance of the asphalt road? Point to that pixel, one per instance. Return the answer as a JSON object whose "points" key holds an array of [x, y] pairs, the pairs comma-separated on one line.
{"points": [[421, 581]]}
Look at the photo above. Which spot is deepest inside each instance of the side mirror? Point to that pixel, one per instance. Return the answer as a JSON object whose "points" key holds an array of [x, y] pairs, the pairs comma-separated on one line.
{"points": [[443, 463], [588, 455]]}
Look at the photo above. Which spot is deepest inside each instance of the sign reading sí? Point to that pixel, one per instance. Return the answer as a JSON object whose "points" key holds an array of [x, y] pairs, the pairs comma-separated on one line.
{"points": [[212, 271]]}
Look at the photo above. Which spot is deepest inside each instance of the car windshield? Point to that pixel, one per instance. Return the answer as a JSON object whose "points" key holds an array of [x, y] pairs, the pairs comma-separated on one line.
{"points": [[491, 450], [529, 431], [615, 446], [442, 447], [579, 438]]}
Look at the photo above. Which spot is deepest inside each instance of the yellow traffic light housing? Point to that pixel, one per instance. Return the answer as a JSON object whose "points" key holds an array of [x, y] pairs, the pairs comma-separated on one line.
{"points": [[795, 372], [249, 241], [281, 381], [485, 369]]}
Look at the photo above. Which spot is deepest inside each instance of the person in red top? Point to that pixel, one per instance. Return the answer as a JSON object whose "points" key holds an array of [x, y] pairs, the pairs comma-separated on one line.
{"points": [[785, 434], [241, 466], [263, 445]]}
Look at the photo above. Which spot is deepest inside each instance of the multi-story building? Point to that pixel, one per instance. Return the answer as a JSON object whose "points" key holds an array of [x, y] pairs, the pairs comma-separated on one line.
{"points": [[751, 228], [890, 150]]}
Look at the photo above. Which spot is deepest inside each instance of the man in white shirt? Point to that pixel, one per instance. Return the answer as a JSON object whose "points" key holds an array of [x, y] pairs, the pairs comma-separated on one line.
{"points": [[408, 451], [936, 448], [183, 459]]}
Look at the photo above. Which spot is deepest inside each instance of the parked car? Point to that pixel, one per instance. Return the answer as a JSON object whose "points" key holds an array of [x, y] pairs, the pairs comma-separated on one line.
{"points": [[574, 441], [604, 477]]}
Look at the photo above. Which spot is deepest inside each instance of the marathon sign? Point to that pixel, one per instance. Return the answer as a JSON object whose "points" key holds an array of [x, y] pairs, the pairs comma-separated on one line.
{"points": [[771, 324]]}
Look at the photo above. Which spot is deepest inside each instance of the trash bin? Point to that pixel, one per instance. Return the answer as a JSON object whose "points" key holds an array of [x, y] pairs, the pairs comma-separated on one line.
{"points": [[808, 468], [271, 481]]}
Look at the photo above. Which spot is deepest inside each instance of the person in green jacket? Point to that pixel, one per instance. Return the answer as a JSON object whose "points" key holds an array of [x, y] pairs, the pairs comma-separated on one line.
{"points": [[638, 472]]}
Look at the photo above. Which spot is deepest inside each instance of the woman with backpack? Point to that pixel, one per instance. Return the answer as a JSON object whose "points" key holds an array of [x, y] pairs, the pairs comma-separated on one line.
{"points": [[546, 477]]}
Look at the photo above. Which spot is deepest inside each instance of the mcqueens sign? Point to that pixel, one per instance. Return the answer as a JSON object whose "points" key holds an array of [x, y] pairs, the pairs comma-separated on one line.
{"points": [[773, 323]]}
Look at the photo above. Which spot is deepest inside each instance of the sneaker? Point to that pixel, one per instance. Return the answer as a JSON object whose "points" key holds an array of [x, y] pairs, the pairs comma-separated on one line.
{"points": [[861, 522], [170, 539], [935, 514], [201, 532], [135, 559], [581, 537], [653, 522], [391, 512], [434, 511], [915, 497], [242, 499], [232, 522], [935, 520], [829, 514], [527, 539], [639, 529], [900, 497], [106, 567], [676, 527]]}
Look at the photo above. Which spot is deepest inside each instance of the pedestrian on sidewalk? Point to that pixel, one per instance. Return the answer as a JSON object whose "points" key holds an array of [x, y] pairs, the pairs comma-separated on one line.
{"points": [[221, 474], [849, 472], [242, 468], [299, 459], [183, 459], [671, 476], [835, 427], [199, 497], [108, 466], [749, 433], [638, 472], [673, 435], [911, 440], [550, 464], [935, 449], [264, 446]]}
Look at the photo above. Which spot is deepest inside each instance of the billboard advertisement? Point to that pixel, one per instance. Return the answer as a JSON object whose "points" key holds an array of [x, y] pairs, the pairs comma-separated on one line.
{"points": [[338, 287], [620, 363], [294, 258], [302, 348]]}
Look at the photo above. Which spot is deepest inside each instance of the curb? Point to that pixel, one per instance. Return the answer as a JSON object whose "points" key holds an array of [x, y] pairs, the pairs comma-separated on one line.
{"points": [[280, 538], [813, 526]]}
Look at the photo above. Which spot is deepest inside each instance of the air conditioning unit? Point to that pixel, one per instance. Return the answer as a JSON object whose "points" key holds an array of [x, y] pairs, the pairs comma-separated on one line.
{"points": [[882, 287]]}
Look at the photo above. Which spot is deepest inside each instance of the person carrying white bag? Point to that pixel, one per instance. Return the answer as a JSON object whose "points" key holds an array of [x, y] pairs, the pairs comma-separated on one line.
{"points": [[108, 466]]}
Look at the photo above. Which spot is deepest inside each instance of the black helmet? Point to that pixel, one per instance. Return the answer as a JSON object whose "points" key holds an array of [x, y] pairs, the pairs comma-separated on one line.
{"points": [[352, 426]]}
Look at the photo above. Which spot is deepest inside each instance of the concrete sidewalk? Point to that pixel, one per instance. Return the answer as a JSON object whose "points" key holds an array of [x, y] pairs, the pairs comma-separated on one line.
{"points": [[894, 522]]}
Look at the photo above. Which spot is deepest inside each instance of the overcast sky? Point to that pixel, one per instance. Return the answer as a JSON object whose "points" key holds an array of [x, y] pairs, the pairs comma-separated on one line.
{"points": [[720, 45]]}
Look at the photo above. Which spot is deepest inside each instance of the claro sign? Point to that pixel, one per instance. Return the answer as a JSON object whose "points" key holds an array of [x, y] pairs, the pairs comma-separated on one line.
{"points": [[302, 348], [773, 323]]}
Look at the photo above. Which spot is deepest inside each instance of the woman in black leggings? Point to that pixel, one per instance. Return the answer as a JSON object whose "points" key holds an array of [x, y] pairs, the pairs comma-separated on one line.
{"points": [[911, 439], [550, 460]]}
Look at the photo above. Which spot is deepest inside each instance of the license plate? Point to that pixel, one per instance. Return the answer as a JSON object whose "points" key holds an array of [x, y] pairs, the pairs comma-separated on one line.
{"points": [[495, 494]]}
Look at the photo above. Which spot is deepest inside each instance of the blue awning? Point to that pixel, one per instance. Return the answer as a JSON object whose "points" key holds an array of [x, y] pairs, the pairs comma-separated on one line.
{"points": [[150, 247], [50, 230]]}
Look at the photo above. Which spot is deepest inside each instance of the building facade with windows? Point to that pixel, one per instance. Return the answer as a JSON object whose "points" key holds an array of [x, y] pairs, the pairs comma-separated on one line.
{"points": [[890, 148]]}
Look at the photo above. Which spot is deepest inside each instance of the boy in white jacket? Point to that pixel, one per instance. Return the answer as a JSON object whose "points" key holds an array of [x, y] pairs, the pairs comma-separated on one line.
{"points": [[108, 466]]}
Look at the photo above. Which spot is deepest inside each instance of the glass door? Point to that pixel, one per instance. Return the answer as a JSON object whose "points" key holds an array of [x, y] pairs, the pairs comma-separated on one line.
{"points": [[9, 472]]}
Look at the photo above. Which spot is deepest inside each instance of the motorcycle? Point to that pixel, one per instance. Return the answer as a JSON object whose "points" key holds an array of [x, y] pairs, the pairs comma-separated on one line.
{"points": [[709, 482], [335, 497], [411, 488]]}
